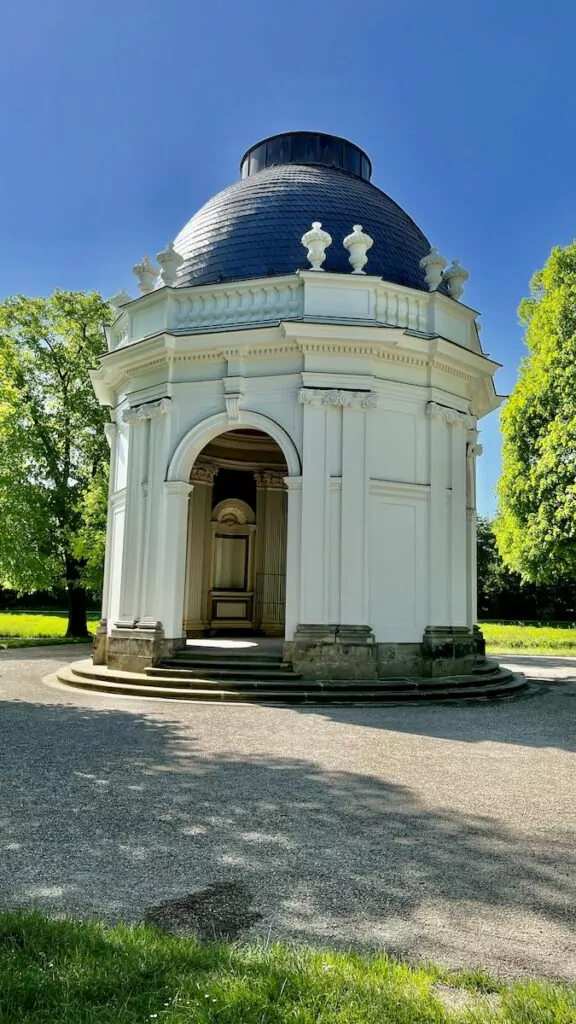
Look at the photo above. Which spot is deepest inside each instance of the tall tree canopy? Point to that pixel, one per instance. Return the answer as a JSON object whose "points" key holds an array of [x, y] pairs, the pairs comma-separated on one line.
{"points": [[53, 451], [536, 524]]}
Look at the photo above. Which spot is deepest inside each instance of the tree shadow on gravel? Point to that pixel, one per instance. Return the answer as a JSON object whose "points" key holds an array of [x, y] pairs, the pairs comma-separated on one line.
{"points": [[116, 814], [543, 717]]}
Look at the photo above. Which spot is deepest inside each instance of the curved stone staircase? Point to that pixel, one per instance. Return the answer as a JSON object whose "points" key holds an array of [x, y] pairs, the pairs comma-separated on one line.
{"points": [[256, 677]]}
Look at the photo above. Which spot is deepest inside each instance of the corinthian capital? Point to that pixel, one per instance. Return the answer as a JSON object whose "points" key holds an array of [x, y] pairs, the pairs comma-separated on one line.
{"points": [[148, 411]]}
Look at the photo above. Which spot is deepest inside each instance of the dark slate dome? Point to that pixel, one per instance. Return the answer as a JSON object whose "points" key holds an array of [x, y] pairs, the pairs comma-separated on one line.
{"points": [[253, 228]]}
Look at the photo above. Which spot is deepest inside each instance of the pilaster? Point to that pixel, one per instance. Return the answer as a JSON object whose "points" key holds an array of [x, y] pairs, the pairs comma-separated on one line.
{"points": [[198, 549], [473, 450], [173, 533], [314, 570], [447, 546], [458, 526], [270, 551], [99, 647], [134, 523], [293, 554], [353, 595]]}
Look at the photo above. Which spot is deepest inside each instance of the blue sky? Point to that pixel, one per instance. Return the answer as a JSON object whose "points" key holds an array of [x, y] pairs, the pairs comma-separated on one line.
{"points": [[120, 119]]}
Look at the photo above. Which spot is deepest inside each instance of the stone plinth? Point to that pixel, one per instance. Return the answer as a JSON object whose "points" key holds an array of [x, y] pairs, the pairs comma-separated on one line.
{"points": [[333, 652], [449, 650], [100, 644], [133, 650]]}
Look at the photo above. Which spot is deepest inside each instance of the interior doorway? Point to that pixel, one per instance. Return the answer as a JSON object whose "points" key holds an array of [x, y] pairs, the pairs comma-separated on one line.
{"points": [[236, 541]]}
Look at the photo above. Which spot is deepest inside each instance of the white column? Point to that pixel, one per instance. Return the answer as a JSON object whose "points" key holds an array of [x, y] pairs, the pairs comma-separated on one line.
{"points": [[438, 522], [314, 599], [472, 451], [173, 560], [458, 526], [293, 554], [133, 523], [353, 609], [111, 430], [156, 421]]}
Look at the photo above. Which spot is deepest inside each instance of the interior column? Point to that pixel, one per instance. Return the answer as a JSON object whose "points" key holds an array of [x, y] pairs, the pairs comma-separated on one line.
{"points": [[271, 509], [199, 550]]}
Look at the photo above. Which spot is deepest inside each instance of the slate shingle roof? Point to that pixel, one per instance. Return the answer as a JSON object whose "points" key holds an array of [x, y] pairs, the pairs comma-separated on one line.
{"points": [[253, 228]]}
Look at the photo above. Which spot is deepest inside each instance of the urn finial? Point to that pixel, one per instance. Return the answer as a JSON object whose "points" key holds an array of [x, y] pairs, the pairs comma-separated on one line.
{"points": [[433, 264], [358, 244], [455, 278], [170, 261], [316, 242], [146, 273], [119, 300]]}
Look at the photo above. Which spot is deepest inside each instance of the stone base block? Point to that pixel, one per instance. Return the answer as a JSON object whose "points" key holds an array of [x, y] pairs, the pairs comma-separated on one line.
{"points": [[480, 642], [393, 660], [449, 650], [133, 650], [350, 652], [100, 644], [332, 652]]}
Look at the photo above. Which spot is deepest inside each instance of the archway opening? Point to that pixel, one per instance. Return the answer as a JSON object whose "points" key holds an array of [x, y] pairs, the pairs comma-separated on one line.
{"points": [[236, 539]]}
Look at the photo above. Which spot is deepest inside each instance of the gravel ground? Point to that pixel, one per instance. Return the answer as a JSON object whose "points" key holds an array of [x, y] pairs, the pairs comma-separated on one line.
{"points": [[444, 832]]}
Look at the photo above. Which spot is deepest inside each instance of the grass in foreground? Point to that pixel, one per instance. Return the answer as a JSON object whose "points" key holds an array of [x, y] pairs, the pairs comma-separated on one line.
{"points": [[17, 629], [503, 638], [82, 973]]}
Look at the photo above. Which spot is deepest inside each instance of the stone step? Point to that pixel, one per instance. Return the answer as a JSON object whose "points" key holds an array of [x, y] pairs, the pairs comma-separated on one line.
{"points": [[232, 672], [138, 685], [224, 662], [236, 681], [239, 656]]}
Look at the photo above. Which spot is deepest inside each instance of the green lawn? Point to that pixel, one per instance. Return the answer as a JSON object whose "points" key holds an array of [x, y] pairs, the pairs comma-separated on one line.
{"points": [[28, 628], [24, 629], [82, 973], [503, 638]]}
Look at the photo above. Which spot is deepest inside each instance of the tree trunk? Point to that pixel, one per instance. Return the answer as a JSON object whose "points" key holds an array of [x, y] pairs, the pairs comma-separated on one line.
{"points": [[77, 622]]}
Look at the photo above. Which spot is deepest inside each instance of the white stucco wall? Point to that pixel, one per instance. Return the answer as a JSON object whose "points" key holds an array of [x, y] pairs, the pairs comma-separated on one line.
{"points": [[377, 521]]}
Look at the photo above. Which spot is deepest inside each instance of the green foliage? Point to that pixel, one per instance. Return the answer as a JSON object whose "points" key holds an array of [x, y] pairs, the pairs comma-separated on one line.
{"points": [[30, 625], [90, 539], [52, 443], [84, 973], [507, 638], [536, 525], [503, 594]]}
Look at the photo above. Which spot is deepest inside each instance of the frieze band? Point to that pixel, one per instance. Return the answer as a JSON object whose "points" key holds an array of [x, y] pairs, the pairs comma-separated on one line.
{"points": [[338, 397]]}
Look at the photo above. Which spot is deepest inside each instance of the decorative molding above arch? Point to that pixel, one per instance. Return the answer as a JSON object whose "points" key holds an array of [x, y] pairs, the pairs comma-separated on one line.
{"points": [[190, 446], [233, 512]]}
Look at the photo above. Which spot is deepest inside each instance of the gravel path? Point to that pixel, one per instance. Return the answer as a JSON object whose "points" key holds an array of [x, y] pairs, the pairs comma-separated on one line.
{"points": [[443, 832]]}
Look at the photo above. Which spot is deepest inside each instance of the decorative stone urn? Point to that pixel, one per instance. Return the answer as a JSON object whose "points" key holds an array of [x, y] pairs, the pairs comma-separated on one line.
{"points": [[433, 264], [455, 278], [358, 244], [316, 241], [170, 262], [146, 273]]}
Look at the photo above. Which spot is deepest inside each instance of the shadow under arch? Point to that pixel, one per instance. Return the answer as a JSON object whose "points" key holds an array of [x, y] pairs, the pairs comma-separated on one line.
{"points": [[189, 447]]}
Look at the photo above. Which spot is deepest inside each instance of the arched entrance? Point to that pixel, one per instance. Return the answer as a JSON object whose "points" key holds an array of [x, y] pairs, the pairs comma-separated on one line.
{"points": [[236, 536]]}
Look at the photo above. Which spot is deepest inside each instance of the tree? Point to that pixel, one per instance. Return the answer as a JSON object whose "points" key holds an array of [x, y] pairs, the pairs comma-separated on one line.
{"points": [[536, 523], [52, 444], [503, 594]]}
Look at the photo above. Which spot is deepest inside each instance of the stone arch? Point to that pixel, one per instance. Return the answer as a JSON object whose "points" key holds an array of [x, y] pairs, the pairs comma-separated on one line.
{"points": [[188, 449]]}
